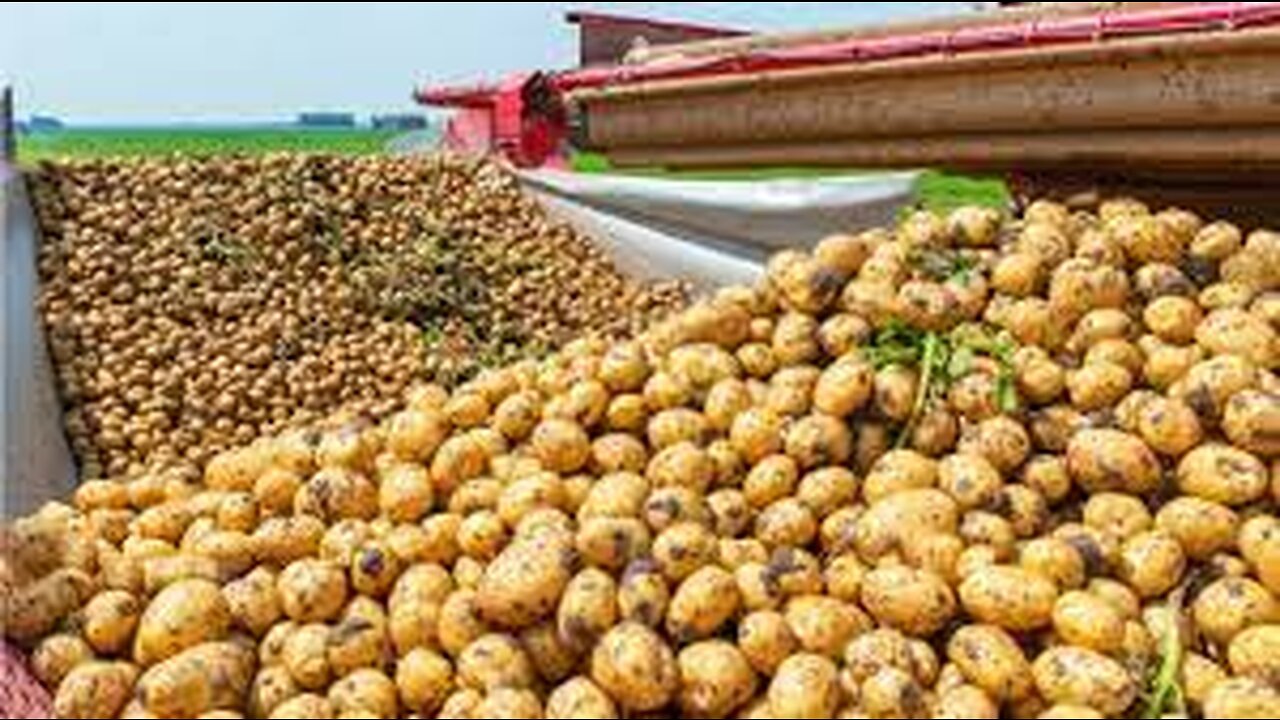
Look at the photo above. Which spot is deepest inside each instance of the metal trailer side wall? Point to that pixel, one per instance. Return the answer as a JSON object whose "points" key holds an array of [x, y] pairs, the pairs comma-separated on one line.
{"points": [[37, 462]]}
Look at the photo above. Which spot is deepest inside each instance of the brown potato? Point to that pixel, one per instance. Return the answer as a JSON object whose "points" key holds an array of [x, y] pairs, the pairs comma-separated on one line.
{"points": [[916, 602], [1223, 474], [109, 621], [95, 690], [715, 679], [636, 667], [991, 660], [1230, 605], [805, 686], [183, 615], [580, 699], [213, 676], [1076, 676], [1009, 597]]}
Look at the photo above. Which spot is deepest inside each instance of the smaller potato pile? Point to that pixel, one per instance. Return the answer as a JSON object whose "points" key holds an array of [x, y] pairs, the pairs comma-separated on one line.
{"points": [[194, 305], [969, 467]]}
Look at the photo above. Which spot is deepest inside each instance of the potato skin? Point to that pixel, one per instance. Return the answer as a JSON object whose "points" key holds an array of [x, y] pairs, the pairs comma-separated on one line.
{"points": [[1243, 698], [1225, 608], [580, 699], [95, 690], [1255, 653], [636, 667], [805, 686], [213, 676], [715, 679], [110, 620], [1223, 474], [182, 616], [916, 602], [1009, 597], [1112, 461], [525, 581], [1076, 676], [991, 660], [702, 604]]}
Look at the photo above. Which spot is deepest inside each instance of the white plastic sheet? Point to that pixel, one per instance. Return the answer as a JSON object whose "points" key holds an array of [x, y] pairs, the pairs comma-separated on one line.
{"points": [[715, 232]]}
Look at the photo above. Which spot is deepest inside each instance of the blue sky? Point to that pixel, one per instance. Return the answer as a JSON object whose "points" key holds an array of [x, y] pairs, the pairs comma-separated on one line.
{"points": [[142, 61]]}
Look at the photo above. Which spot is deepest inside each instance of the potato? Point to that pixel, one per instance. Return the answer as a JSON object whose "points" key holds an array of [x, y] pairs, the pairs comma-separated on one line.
{"points": [[524, 583], [916, 602], [35, 610], [1086, 620], [1202, 528], [1120, 515], [702, 604], [823, 625], [1170, 427], [1076, 676], [636, 667], [1252, 422], [1231, 331], [971, 480], [1098, 385], [365, 692], [1112, 461], [682, 549], [109, 621], [510, 703], [254, 601], [271, 688], [493, 661], [715, 679], [405, 493], [312, 591], [281, 541], [580, 699], [805, 686], [337, 493], [765, 639], [1009, 597], [1244, 698], [643, 595], [212, 676], [1223, 474], [183, 615], [882, 528], [95, 690], [304, 706], [1056, 560], [991, 660], [1230, 605], [1260, 545], [56, 656], [587, 609], [845, 387], [967, 702]]}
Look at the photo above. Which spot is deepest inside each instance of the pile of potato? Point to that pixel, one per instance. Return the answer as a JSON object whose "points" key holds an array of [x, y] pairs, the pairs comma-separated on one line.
{"points": [[194, 305], [970, 467]]}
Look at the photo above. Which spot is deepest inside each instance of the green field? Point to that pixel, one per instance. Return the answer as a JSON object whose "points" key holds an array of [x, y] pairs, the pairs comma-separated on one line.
{"points": [[131, 142], [936, 190]]}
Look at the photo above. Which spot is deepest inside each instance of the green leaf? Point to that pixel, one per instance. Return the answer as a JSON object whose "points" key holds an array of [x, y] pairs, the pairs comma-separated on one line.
{"points": [[961, 365]]}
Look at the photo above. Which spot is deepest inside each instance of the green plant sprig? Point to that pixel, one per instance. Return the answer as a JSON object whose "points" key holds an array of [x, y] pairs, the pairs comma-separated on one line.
{"points": [[1164, 691], [942, 359]]}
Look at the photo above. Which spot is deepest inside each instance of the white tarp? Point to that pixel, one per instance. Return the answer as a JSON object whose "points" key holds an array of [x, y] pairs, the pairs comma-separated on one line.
{"points": [[715, 232]]}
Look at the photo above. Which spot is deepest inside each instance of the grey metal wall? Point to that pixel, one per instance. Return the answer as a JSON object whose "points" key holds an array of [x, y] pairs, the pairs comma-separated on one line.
{"points": [[37, 464]]}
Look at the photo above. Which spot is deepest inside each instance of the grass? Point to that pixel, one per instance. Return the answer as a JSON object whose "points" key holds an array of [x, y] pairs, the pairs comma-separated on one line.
{"points": [[139, 142], [935, 190]]}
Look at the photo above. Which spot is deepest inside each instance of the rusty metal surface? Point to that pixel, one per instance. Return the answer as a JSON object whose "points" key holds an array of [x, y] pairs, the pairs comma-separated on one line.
{"points": [[1213, 80], [1234, 150], [710, 48]]}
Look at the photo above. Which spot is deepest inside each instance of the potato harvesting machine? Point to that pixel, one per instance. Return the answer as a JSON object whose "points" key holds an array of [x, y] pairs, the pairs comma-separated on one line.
{"points": [[1177, 99]]}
